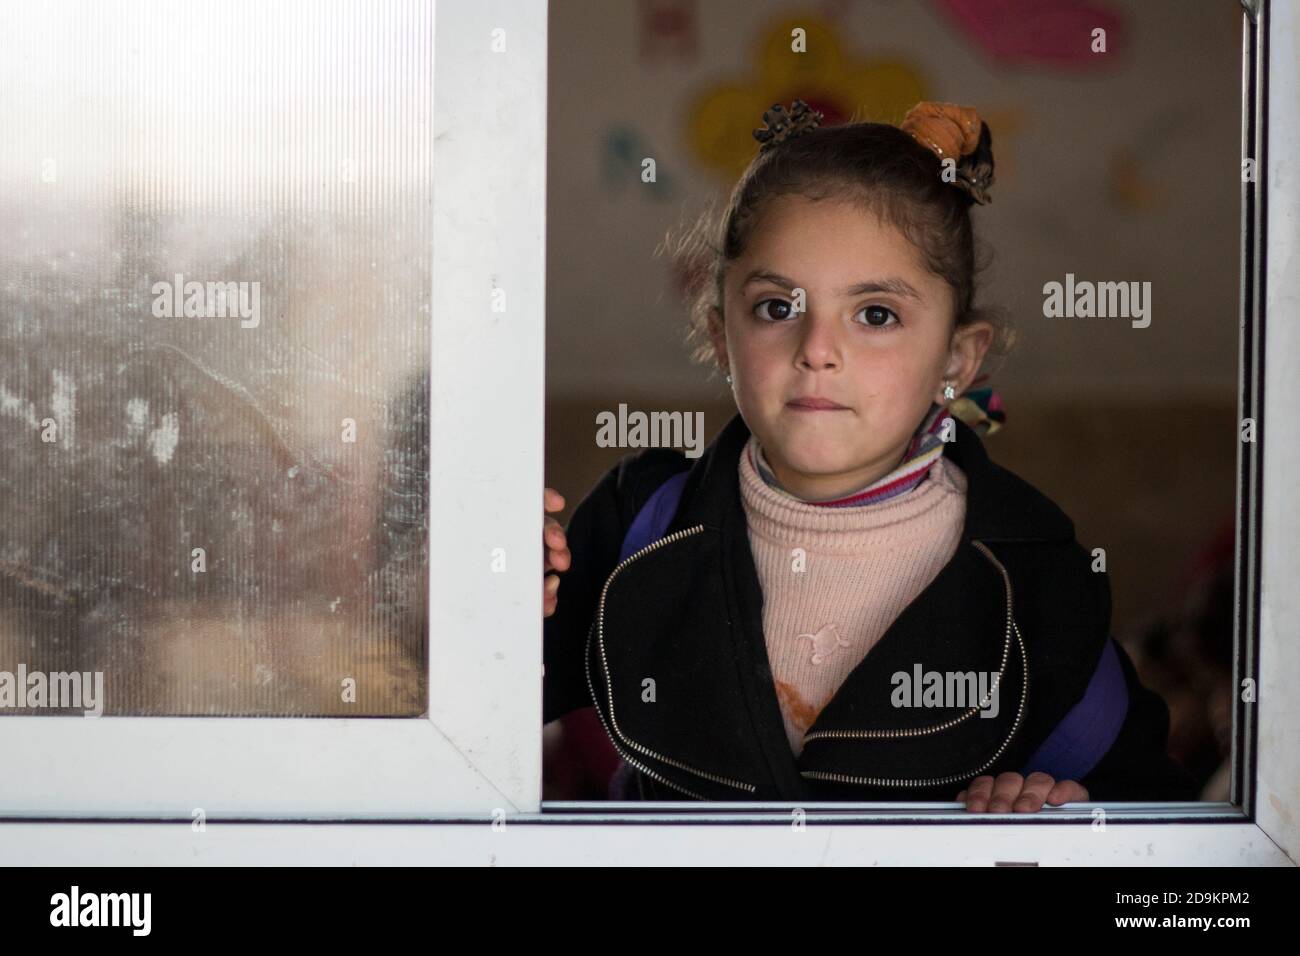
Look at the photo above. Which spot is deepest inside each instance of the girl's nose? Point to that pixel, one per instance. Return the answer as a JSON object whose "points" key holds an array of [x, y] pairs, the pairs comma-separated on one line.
{"points": [[819, 346]]}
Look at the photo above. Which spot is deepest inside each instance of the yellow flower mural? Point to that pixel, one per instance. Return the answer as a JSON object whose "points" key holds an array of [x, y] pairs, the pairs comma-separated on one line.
{"points": [[826, 76]]}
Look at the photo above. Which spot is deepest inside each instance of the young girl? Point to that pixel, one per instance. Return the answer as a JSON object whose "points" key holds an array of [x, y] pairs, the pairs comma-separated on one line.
{"points": [[843, 598]]}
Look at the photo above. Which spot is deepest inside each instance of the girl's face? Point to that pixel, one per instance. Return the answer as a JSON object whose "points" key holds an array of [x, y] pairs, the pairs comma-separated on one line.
{"points": [[876, 338]]}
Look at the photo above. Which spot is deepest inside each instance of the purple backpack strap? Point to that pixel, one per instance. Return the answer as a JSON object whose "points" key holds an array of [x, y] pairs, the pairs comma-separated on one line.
{"points": [[1086, 733], [655, 515]]}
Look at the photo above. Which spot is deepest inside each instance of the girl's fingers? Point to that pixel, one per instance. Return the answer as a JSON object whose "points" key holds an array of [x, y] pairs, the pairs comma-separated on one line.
{"points": [[1006, 788], [1035, 790], [556, 552], [553, 534], [1067, 791], [978, 793], [1012, 792], [552, 500], [550, 595]]}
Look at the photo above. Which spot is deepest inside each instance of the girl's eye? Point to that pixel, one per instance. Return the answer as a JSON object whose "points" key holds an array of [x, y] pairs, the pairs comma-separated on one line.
{"points": [[877, 316], [774, 310]]}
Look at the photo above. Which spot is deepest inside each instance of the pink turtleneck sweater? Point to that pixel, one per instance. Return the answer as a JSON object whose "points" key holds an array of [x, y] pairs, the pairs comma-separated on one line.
{"points": [[835, 579]]}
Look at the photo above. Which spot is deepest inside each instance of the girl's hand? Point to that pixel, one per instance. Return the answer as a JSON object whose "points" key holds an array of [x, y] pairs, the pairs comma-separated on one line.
{"points": [[1014, 793], [556, 550]]}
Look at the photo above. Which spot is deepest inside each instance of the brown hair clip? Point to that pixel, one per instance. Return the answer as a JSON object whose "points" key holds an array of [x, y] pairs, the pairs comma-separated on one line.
{"points": [[957, 133], [781, 126]]}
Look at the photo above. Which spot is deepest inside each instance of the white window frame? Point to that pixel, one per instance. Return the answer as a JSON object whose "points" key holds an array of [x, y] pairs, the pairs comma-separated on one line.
{"points": [[495, 735]]}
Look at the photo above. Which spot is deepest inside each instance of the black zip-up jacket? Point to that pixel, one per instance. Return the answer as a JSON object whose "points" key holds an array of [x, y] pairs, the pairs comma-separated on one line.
{"points": [[669, 647]]}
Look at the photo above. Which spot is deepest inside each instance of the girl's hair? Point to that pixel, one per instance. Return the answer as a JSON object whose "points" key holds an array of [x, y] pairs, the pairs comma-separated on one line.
{"points": [[875, 164]]}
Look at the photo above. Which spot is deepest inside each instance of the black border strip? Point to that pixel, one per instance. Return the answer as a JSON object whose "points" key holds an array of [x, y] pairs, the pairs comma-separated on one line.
{"points": [[1250, 477]]}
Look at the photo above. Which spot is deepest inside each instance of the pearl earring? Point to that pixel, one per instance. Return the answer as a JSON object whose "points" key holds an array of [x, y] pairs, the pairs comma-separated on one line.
{"points": [[728, 378], [948, 392]]}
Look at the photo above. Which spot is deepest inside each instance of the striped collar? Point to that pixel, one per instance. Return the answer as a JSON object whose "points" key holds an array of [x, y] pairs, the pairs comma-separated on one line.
{"points": [[925, 448]]}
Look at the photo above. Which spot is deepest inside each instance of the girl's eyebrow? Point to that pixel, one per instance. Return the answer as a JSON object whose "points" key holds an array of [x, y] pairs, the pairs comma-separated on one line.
{"points": [[763, 275], [893, 285]]}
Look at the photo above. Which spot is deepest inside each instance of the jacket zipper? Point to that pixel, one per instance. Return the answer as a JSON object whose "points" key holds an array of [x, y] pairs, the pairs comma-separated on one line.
{"points": [[616, 734], [1012, 629], [632, 761]]}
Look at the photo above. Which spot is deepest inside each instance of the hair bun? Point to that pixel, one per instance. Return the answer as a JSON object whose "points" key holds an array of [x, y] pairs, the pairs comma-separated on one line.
{"points": [[780, 126], [955, 132]]}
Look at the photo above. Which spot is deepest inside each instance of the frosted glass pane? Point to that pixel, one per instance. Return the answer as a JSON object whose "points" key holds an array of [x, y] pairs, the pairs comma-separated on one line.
{"points": [[215, 245]]}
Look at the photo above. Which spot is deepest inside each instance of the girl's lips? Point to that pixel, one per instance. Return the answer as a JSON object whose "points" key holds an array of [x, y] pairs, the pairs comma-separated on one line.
{"points": [[814, 405]]}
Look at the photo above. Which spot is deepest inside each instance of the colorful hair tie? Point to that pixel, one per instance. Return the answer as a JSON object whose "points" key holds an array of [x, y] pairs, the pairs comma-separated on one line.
{"points": [[957, 133]]}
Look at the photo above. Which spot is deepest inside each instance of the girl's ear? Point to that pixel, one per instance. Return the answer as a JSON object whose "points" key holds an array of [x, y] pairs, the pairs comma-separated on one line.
{"points": [[970, 343], [718, 335]]}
